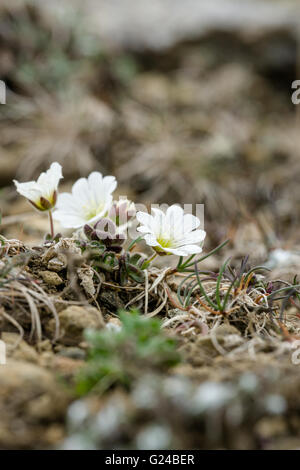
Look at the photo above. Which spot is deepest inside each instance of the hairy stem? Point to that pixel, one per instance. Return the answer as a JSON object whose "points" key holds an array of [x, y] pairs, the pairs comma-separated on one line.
{"points": [[51, 224], [148, 261]]}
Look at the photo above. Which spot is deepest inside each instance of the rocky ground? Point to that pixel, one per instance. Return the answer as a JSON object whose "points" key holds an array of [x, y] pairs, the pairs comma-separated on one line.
{"points": [[234, 371]]}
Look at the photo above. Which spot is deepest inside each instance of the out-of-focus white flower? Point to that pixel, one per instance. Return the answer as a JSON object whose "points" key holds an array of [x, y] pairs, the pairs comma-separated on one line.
{"points": [[173, 232], [280, 258], [90, 200], [42, 193]]}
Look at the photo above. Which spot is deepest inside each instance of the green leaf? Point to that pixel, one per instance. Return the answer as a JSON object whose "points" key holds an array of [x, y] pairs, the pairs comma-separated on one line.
{"points": [[135, 273], [220, 276], [134, 242]]}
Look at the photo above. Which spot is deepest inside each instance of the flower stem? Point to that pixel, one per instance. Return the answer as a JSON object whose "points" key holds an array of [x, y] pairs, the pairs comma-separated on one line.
{"points": [[152, 257], [51, 224], [146, 263]]}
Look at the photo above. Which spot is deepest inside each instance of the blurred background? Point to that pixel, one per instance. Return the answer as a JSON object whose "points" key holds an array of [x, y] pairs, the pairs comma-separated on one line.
{"points": [[184, 102]]}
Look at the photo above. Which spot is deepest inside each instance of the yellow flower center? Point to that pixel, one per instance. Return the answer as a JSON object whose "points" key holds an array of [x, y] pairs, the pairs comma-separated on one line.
{"points": [[45, 203], [165, 242]]}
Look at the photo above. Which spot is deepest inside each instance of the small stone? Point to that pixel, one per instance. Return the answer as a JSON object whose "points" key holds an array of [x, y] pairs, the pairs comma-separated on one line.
{"points": [[174, 312], [47, 359], [114, 324], [73, 321], [58, 263], [271, 427], [54, 434], [38, 408], [64, 247], [111, 301], [49, 254], [68, 245], [51, 278], [45, 345], [86, 276], [67, 366], [19, 350], [224, 330], [72, 353]]}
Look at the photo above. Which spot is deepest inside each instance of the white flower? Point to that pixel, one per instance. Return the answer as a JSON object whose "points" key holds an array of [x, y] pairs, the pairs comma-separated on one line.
{"points": [[90, 200], [172, 232], [43, 192]]}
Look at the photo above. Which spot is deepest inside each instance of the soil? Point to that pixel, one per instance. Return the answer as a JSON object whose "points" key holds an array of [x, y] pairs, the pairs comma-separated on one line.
{"points": [[241, 376]]}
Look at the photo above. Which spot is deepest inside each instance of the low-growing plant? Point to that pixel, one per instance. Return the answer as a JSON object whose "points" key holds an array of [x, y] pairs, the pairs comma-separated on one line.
{"points": [[106, 250], [118, 355], [101, 224], [240, 280]]}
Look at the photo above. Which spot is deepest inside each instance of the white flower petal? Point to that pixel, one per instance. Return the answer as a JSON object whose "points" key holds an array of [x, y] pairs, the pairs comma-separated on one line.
{"points": [[55, 174], [80, 191], [151, 223], [174, 212], [173, 222], [192, 249], [52, 176], [197, 236], [160, 223], [30, 190], [190, 222], [96, 188], [48, 181], [103, 211], [173, 232], [158, 213], [176, 251], [68, 220], [144, 229], [151, 240], [66, 201], [109, 184], [145, 219], [90, 200], [45, 188]]}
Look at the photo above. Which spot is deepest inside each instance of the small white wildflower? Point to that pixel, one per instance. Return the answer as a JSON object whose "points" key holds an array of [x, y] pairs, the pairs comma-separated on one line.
{"points": [[211, 396], [173, 232], [275, 404], [90, 200], [42, 194], [154, 436]]}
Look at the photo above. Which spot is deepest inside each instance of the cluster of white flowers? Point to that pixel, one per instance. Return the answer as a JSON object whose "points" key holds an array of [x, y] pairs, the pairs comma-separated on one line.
{"points": [[91, 199]]}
